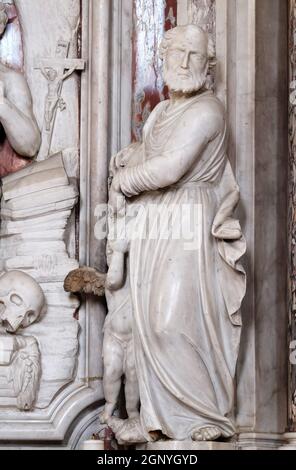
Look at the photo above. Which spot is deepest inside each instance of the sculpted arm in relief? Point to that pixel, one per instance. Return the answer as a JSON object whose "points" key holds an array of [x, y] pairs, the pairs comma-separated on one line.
{"points": [[16, 113], [198, 127]]}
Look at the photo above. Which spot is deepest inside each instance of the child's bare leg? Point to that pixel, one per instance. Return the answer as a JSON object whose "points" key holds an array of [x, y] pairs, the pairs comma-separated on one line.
{"points": [[115, 276], [132, 396], [116, 249], [113, 370]]}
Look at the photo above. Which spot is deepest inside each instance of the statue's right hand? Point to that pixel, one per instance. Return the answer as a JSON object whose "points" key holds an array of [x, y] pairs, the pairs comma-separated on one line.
{"points": [[117, 161], [121, 158]]}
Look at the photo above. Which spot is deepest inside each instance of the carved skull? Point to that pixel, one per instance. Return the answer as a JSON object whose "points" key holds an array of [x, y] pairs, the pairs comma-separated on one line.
{"points": [[21, 301]]}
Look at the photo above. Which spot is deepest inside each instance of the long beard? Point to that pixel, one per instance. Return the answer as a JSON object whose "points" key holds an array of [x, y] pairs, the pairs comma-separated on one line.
{"points": [[186, 85]]}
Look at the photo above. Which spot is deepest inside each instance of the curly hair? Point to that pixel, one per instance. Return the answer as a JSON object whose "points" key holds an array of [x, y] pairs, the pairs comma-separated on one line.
{"points": [[172, 33]]}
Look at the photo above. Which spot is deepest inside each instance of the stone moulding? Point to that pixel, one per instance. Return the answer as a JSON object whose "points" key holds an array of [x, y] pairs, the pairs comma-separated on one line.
{"points": [[203, 13], [53, 420], [292, 209], [42, 193]]}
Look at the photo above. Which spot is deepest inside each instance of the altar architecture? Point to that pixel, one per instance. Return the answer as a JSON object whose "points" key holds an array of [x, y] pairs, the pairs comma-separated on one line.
{"points": [[109, 106]]}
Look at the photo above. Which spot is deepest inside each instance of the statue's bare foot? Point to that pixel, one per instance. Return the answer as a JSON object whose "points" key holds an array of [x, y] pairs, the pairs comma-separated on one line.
{"points": [[131, 433], [207, 433], [116, 424], [128, 431], [104, 417], [134, 414], [106, 414]]}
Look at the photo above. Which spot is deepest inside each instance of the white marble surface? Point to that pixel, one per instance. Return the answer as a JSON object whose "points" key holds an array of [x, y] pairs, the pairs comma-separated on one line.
{"points": [[259, 153], [261, 441], [34, 218], [290, 443], [16, 113], [81, 368], [182, 162], [32, 240], [16, 107], [43, 24], [22, 303], [186, 445], [92, 444]]}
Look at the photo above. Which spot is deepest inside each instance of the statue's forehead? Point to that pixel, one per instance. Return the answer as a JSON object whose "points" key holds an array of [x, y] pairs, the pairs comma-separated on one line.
{"points": [[194, 41]]}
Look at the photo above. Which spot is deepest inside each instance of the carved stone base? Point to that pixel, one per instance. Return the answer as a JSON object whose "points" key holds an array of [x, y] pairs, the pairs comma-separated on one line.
{"points": [[261, 441], [187, 445], [291, 441], [92, 444]]}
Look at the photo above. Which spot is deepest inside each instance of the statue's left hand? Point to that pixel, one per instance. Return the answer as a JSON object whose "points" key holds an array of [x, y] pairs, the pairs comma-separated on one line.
{"points": [[116, 204]]}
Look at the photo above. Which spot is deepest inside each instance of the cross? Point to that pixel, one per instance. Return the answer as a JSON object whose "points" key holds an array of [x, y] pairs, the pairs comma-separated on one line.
{"points": [[55, 71]]}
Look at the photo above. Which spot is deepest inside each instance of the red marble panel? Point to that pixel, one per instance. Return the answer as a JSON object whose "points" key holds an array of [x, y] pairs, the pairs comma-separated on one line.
{"points": [[10, 162], [151, 19], [170, 14]]}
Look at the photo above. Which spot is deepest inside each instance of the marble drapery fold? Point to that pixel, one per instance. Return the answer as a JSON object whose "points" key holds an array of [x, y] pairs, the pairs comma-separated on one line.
{"points": [[186, 301]]}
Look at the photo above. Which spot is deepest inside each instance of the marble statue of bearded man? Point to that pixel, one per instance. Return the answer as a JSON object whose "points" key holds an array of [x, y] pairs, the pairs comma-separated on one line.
{"points": [[186, 298]]}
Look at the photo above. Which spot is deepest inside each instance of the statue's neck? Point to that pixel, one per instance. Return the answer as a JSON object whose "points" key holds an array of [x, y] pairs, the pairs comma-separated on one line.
{"points": [[180, 97]]}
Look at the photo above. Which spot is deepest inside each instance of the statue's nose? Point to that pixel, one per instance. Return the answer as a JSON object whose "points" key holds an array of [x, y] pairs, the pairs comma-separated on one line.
{"points": [[185, 62]]}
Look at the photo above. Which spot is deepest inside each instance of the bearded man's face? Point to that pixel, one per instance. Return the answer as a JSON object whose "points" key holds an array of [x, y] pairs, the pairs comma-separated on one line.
{"points": [[186, 63]]}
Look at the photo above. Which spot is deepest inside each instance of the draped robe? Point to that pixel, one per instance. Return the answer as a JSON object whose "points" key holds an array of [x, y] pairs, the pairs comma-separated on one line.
{"points": [[186, 302]]}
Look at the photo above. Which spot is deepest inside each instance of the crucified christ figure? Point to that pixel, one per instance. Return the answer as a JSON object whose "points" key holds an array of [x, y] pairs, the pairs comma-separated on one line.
{"points": [[53, 98]]}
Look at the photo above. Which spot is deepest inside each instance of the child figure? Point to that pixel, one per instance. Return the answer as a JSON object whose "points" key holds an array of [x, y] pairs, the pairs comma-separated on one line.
{"points": [[118, 346]]}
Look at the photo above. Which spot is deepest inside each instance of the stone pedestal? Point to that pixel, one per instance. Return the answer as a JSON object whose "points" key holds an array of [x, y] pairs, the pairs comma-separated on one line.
{"points": [[291, 441], [187, 445], [92, 444]]}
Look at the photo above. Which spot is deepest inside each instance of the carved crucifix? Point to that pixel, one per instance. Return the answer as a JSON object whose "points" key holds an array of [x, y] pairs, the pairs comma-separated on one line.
{"points": [[55, 71]]}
